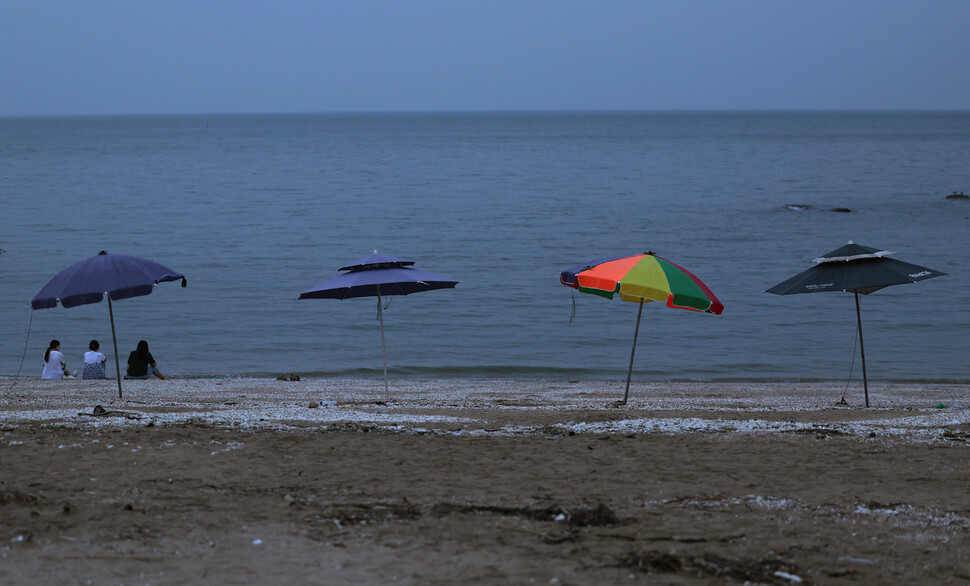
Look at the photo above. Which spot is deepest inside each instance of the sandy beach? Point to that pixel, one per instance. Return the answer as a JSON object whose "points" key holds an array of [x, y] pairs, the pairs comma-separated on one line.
{"points": [[489, 481]]}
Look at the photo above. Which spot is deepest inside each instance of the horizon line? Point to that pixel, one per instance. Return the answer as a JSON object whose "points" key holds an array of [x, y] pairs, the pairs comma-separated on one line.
{"points": [[496, 111]]}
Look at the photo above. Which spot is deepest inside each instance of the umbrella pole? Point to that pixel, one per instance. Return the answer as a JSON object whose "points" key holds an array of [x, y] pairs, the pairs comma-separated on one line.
{"points": [[114, 338], [380, 314], [636, 334], [862, 348]]}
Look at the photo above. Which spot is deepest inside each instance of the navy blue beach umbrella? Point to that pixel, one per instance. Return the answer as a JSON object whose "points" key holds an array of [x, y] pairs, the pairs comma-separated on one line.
{"points": [[856, 269], [118, 276], [378, 275]]}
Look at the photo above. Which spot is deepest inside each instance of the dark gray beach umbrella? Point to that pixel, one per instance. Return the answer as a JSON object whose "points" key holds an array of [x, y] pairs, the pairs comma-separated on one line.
{"points": [[118, 275], [378, 275], [857, 269]]}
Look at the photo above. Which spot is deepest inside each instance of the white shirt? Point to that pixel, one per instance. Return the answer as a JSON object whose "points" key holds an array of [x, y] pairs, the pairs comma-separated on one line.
{"points": [[93, 357], [54, 367]]}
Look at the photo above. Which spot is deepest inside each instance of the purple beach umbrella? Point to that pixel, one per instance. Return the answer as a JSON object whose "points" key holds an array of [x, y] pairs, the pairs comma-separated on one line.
{"points": [[118, 275], [378, 275]]}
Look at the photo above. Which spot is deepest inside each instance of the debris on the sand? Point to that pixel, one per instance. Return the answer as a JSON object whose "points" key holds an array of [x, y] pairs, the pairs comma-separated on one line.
{"points": [[22, 537], [845, 559], [17, 497], [597, 515], [100, 411], [765, 571]]}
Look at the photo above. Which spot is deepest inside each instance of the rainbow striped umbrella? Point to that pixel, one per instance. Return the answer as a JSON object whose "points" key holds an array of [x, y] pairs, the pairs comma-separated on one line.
{"points": [[642, 278]]}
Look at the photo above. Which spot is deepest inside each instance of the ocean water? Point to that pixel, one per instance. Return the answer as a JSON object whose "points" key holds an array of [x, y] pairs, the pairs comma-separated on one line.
{"points": [[255, 209]]}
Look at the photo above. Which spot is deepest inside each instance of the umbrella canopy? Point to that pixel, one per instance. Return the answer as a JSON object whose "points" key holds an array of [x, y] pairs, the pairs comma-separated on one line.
{"points": [[642, 278], [857, 269], [118, 275], [378, 275]]}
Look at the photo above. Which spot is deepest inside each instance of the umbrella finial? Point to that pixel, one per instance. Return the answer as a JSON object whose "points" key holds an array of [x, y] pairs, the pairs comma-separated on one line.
{"points": [[102, 252]]}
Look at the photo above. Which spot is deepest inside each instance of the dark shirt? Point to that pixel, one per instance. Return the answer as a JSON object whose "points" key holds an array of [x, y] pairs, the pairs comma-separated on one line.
{"points": [[138, 366]]}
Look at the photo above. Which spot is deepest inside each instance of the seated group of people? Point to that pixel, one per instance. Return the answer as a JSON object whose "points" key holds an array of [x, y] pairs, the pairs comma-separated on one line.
{"points": [[141, 363]]}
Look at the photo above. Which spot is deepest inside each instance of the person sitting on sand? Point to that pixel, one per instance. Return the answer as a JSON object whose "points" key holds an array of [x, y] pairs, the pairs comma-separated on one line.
{"points": [[141, 363], [54, 364], [93, 362]]}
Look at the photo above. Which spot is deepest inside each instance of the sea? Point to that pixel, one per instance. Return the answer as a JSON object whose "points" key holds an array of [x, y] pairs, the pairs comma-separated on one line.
{"points": [[254, 209]]}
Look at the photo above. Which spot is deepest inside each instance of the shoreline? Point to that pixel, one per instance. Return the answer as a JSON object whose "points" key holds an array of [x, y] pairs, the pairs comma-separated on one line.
{"points": [[902, 410], [599, 377]]}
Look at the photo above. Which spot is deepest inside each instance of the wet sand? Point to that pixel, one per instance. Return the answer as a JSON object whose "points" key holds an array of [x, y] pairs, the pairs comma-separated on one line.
{"points": [[257, 481]]}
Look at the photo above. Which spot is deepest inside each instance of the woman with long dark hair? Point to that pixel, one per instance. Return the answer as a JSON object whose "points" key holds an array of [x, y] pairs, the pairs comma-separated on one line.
{"points": [[54, 364], [141, 363]]}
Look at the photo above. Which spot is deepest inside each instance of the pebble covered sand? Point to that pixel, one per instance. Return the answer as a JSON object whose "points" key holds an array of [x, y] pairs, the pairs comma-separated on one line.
{"points": [[906, 412], [199, 481]]}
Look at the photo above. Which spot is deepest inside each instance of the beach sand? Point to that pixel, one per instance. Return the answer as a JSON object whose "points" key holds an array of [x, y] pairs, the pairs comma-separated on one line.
{"points": [[485, 482]]}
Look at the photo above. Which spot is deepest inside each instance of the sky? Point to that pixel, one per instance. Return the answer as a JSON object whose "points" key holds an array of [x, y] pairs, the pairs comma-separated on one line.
{"points": [[60, 57]]}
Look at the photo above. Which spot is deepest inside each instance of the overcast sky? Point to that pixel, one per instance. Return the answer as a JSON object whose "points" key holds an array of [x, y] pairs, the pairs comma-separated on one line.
{"points": [[204, 56]]}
